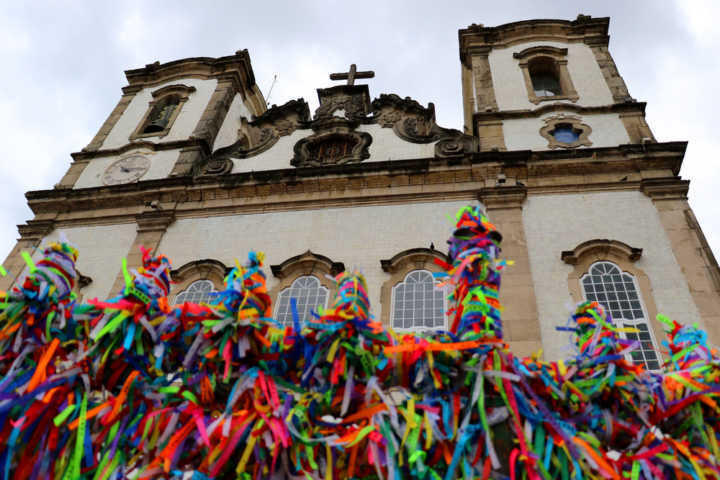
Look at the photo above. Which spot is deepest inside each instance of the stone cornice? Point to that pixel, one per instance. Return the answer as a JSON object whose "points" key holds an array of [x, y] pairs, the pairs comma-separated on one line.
{"points": [[394, 264], [511, 196], [585, 29], [180, 89], [154, 73], [172, 145], [560, 106], [36, 229], [428, 179], [601, 246], [540, 49], [154, 220], [306, 262], [665, 188], [182, 273]]}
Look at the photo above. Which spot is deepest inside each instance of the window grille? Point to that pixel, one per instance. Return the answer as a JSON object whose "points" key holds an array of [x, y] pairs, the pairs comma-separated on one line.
{"points": [[617, 292], [309, 294], [417, 303], [197, 292]]}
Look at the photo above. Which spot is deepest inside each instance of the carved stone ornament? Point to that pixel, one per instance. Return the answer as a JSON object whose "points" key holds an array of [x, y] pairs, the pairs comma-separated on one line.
{"points": [[350, 102], [571, 122], [338, 146], [260, 134], [414, 123], [217, 166]]}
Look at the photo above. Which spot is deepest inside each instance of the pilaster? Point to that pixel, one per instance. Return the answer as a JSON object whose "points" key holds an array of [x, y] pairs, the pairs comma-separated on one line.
{"points": [[614, 81], [482, 79], [517, 293], [637, 128], [151, 226], [110, 122], [207, 128], [31, 234], [492, 137], [690, 248]]}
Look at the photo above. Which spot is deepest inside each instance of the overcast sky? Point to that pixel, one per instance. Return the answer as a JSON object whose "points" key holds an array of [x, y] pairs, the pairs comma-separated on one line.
{"points": [[63, 62]]}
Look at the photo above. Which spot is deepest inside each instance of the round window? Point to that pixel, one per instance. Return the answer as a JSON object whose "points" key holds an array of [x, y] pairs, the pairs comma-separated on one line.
{"points": [[565, 133]]}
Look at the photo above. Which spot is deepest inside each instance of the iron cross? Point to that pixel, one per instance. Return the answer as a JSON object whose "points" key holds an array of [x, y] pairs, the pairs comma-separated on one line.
{"points": [[352, 75]]}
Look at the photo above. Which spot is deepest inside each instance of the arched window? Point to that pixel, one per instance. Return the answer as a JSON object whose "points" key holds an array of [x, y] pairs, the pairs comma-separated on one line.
{"points": [[545, 77], [197, 292], [417, 303], [162, 111], [618, 293], [307, 292], [160, 115]]}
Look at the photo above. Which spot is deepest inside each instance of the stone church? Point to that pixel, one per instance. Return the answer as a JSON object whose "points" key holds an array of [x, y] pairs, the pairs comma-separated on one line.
{"points": [[192, 164]]}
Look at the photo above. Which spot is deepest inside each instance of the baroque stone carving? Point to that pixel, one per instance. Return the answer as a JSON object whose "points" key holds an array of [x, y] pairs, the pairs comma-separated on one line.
{"points": [[259, 135], [351, 102], [217, 166], [573, 122], [414, 123], [335, 147]]}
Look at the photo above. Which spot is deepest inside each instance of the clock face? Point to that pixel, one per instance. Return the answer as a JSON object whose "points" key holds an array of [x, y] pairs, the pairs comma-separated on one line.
{"points": [[126, 170]]}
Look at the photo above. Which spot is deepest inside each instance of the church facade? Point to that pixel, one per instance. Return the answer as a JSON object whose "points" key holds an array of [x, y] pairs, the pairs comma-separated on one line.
{"points": [[192, 164]]}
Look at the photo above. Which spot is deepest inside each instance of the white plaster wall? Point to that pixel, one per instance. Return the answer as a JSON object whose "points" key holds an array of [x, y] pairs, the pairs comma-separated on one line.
{"points": [[357, 236], [277, 157], [161, 164], [101, 250], [554, 223], [184, 124], [509, 84], [386, 145], [608, 130], [227, 135]]}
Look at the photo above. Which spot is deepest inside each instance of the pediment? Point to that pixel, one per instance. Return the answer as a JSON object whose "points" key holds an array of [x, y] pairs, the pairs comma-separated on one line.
{"points": [[333, 137]]}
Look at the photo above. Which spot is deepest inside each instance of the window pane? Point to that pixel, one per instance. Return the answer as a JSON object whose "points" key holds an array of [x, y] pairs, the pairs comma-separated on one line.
{"points": [[423, 306], [616, 291], [308, 294], [197, 292], [545, 85]]}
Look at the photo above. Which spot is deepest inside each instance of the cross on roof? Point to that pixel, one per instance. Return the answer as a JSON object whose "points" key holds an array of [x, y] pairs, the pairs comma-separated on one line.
{"points": [[352, 75]]}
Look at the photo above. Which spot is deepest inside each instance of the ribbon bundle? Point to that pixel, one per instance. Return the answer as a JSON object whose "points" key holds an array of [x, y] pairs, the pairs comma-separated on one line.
{"points": [[134, 387]]}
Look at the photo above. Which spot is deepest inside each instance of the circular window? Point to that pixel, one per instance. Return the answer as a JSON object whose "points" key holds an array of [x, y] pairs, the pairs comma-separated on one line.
{"points": [[565, 133]]}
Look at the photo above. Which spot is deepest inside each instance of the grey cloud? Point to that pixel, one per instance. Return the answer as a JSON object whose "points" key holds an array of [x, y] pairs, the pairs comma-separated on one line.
{"points": [[67, 78]]}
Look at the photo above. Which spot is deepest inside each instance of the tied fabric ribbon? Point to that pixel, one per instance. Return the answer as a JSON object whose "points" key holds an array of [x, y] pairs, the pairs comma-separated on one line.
{"points": [[136, 387]]}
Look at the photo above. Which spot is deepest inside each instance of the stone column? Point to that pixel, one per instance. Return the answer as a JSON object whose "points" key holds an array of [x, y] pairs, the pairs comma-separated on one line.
{"points": [[31, 234], [636, 126], [151, 226], [99, 139], [521, 324], [81, 161], [691, 249]]}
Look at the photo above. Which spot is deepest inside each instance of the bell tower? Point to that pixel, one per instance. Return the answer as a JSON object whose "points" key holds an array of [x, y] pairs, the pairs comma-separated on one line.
{"points": [[168, 121], [545, 85]]}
